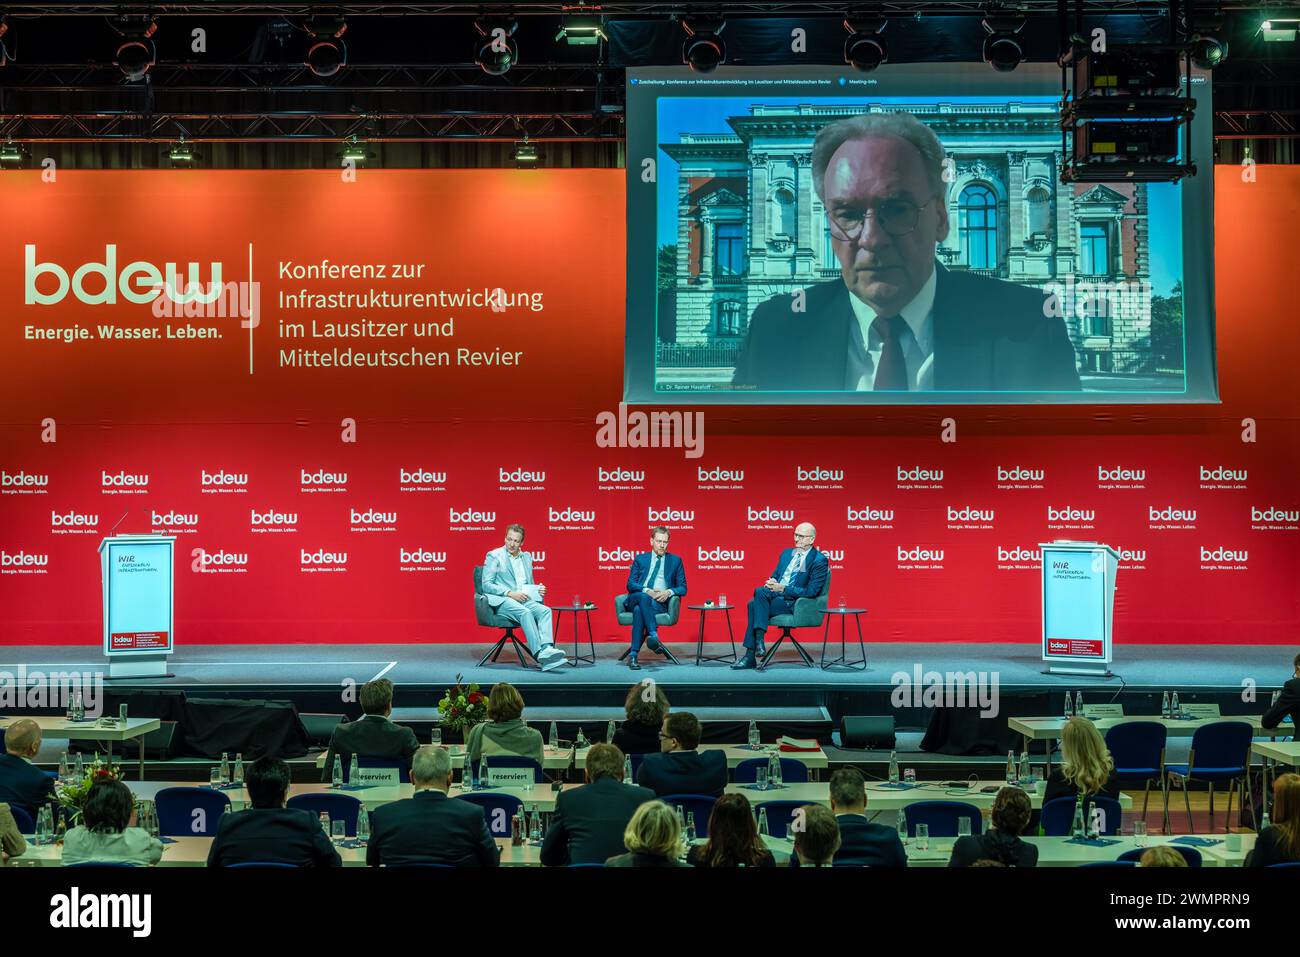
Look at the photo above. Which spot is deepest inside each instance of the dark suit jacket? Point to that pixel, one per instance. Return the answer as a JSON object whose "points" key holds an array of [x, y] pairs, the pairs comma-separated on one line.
{"points": [[995, 846], [631, 737], [430, 828], [1270, 848], [1287, 704], [370, 737], [644, 860], [23, 784], [863, 844], [1058, 787], [588, 824], [684, 772], [282, 834], [989, 335], [811, 579], [674, 573]]}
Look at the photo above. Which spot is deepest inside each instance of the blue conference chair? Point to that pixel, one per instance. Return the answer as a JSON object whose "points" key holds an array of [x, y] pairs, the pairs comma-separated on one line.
{"points": [[1286, 864], [807, 613], [1058, 814], [1190, 854], [422, 864], [780, 814], [498, 809], [262, 864], [942, 817], [636, 764], [487, 616], [1138, 749], [340, 807], [571, 866], [177, 809], [516, 761], [1109, 864], [23, 818], [793, 771], [402, 766], [102, 864], [1220, 752], [701, 805]]}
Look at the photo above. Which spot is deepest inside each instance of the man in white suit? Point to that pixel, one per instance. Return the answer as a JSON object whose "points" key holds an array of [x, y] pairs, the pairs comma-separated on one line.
{"points": [[509, 587]]}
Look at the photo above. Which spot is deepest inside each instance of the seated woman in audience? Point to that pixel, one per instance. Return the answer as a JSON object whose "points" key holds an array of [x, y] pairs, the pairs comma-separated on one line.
{"points": [[504, 732], [646, 707], [1161, 856], [108, 831], [653, 838], [1001, 842], [1086, 764], [733, 837], [1280, 841], [12, 842]]}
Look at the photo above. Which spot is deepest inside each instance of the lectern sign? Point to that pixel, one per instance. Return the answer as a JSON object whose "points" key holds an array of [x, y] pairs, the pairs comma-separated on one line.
{"points": [[1078, 603], [137, 579]]}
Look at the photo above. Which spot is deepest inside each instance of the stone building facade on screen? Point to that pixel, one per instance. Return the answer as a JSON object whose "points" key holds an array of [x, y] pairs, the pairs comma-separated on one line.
{"points": [[750, 225]]}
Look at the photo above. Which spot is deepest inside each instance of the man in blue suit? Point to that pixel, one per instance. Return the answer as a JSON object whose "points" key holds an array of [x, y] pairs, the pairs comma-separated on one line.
{"points": [[800, 573], [21, 782], [655, 577]]}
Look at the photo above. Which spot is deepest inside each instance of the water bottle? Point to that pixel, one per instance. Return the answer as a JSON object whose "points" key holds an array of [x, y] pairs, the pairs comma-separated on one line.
{"points": [[45, 825], [681, 817], [81, 767], [1094, 823], [363, 826], [324, 819], [69, 713], [1164, 704], [754, 738], [1263, 819], [902, 825], [1078, 703], [581, 740], [762, 822], [773, 762], [609, 732], [1069, 706], [354, 770], [1175, 709], [1076, 828], [469, 775], [893, 767], [553, 739], [535, 825], [1011, 767], [64, 770], [483, 771], [336, 773], [80, 706], [1025, 773], [239, 767], [517, 828], [690, 828], [225, 766], [627, 770]]}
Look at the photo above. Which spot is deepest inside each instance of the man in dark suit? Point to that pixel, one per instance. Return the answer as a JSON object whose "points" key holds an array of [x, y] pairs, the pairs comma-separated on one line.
{"points": [[1288, 701], [374, 735], [430, 828], [21, 782], [896, 320], [588, 824], [269, 831], [800, 573], [862, 844], [655, 577], [679, 768]]}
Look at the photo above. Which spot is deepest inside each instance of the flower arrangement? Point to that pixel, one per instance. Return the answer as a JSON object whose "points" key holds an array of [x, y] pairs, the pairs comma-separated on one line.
{"points": [[463, 706], [72, 794]]}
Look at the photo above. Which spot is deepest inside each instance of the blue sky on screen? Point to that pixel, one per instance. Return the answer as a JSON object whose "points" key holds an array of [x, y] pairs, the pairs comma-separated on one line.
{"points": [[677, 115]]}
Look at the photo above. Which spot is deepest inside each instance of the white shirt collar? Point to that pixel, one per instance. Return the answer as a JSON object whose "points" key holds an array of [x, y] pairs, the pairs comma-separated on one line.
{"points": [[918, 314]]}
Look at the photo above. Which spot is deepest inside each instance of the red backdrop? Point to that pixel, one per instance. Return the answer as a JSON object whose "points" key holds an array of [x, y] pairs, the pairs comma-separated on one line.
{"points": [[179, 410]]}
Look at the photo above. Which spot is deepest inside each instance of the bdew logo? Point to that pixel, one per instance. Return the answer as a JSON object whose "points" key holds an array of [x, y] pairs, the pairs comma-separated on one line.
{"points": [[719, 557], [1133, 557], [1017, 476], [23, 483], [119, 483], [372, 520], [1067, 516], [322, 481], [619, 478], [1170, 517], [570, 517], [1222, 558], [138, 282], [614, 556], [1221, 476], [1274, 518], [817, 476], [172, 520], [1120, 477], [834, 555], [769, 517], [222, 482], [520, 479], [73, 523], [719, 477], [322, 560], [421, 480], [967, 516], [917, 477], [462, 519], [1019, 557], [272, 520], [217, 561], [670, 517], [421, 559], [919, 557], [23, 562], [869, 517]]}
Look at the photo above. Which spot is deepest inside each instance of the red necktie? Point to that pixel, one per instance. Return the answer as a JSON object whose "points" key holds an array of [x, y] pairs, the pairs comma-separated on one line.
{"points": [[891, 371]]}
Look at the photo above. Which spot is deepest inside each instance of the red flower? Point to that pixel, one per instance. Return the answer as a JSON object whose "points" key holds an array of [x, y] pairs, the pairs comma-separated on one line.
{"points": [[475, 697]]}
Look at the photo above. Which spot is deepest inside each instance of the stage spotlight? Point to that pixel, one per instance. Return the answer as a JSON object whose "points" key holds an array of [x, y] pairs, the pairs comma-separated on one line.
{"points": [[1207, 51], [136, 54], [580, 30], [703, 49], [1275, 30], [865, 47], [181, 155], [1002, 49], [328, 53], [525, 154], [355, 151], [12, 155], [497, 51]]}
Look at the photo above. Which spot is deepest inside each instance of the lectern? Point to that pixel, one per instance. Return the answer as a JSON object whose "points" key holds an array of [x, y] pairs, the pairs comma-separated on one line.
{"points": [[1078, 607], [136, 571]]}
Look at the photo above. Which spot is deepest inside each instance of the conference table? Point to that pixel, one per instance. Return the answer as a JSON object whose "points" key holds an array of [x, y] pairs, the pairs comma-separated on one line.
{"points": [[1052, 852], [1049, 729], [91, 730], [882, 797], [553, 759]]}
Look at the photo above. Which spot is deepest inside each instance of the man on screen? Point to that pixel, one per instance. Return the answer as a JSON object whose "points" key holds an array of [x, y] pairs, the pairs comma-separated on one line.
{"points": [[656, 576], [800, 573], [510, 589], [896, 320]]}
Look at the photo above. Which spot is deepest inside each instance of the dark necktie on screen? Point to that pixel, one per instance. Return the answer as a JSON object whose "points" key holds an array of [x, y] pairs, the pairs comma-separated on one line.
{"points": [[891, 372], [654, 572]]}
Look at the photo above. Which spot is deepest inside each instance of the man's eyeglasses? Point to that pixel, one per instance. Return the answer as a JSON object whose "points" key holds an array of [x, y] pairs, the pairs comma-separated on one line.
{"points": [[898, 217]]}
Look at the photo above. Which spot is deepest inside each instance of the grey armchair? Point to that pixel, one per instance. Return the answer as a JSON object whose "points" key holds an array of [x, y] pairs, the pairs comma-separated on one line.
{"points": [[625, 619], [487, 616], [808, 613]]}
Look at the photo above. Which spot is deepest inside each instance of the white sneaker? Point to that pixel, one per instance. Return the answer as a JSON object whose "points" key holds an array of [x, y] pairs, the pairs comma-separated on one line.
{"points": [[548, 651], [551, 662]]}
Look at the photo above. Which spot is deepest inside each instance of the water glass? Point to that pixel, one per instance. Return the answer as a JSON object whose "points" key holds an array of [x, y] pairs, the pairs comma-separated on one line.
{"points": [[844, 602], [325, 822], [760, 779], [722, 601], [436, 740], [923, 837], [339, 830], [909, 776], [1140, 833], [577, 601], [215, 778], [963, 827]]}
